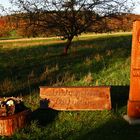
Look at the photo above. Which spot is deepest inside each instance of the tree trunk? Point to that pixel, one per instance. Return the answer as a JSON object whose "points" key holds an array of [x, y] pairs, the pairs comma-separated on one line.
{"points": [[68, 43]]}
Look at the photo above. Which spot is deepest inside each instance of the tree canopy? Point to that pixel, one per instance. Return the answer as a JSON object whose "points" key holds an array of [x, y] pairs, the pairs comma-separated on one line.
{"points": [[68, 18]]}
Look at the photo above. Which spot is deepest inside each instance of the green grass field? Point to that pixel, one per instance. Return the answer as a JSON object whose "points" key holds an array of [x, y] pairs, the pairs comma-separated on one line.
{"points": [[92, 60]]}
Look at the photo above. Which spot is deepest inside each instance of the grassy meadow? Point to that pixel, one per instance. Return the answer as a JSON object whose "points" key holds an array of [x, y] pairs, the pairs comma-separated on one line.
{"points": [[93, 60]]}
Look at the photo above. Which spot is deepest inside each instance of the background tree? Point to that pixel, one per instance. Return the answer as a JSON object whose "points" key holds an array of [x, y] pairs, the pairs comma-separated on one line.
{"points": [[68, 18], [5, 27]]}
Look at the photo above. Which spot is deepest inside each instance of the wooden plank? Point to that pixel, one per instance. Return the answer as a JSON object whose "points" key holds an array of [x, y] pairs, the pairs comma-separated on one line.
{"points": [[76, 98]]}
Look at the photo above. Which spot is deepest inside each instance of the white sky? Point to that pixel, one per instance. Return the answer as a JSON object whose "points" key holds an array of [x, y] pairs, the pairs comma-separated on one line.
{"points": [[6, 4], [137, 10]]}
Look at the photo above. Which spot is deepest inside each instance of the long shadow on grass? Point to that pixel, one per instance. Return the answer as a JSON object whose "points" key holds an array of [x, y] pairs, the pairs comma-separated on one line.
{"points": [[119, 96], [113, 129], [44, 116]]}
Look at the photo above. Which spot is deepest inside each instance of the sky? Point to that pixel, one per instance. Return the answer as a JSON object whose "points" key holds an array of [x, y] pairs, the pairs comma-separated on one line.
{"points": [[137, 10], [6, 4]]}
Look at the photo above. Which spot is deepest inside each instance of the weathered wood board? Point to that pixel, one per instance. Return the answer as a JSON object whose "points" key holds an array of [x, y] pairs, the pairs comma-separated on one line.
{"points": [[76, 98]]}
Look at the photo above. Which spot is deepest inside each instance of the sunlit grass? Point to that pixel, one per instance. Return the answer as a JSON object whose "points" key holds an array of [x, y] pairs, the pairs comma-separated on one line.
{"points": [[103, 57]]}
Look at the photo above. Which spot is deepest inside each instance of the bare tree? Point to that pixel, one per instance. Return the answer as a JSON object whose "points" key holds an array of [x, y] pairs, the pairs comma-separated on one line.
{"points": [[69, 18]]}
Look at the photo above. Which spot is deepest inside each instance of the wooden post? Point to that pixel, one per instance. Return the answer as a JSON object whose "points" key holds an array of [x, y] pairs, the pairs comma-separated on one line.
{"points": [[133, 108], [134, 95]]}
